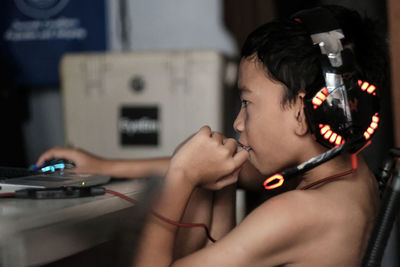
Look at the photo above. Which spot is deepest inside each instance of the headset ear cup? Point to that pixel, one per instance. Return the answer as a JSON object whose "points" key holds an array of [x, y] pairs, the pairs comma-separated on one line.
{"points": [[328, 118], [344, 110]]}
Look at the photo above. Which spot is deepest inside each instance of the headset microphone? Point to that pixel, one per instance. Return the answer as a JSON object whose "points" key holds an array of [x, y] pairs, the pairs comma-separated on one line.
{"points": [[277, 180]]}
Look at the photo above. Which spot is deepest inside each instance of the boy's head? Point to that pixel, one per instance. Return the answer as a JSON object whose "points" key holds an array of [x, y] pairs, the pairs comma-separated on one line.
{"points": [[282, 55], [285, 49]]}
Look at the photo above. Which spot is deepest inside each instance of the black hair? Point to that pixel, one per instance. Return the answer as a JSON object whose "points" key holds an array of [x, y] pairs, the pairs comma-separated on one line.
{"points": [[285, 49]]}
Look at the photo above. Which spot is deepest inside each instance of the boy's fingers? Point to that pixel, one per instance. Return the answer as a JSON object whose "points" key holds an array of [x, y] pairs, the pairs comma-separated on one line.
{"points": [[50, 154], [217, 136], [231, 179], [230, 143], [43, 158], [240, 157], [206, 129]]}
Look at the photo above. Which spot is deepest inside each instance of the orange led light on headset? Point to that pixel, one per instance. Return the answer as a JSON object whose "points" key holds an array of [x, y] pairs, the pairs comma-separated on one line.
{"points": [[372, 127], [278, 181], [320, 97], [331, 136], [365, 86]]}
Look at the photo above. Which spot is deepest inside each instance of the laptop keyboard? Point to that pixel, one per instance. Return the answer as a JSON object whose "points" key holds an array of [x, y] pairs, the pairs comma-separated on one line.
{"points": [[7, 172]]}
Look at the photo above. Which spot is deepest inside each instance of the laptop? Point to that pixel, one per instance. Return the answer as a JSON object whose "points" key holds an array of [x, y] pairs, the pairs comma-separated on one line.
{"points": [[120, 227], [13, 179]]}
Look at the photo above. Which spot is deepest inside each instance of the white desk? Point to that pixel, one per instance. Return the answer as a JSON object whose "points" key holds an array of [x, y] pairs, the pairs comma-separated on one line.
{"points": [[35, 232]]}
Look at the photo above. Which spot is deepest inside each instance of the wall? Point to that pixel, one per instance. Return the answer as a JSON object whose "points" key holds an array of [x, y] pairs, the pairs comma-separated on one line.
{"points": [[149, 25]]}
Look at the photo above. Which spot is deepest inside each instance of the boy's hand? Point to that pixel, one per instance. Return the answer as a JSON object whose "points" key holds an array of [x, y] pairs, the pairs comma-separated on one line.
{"points": [[208, 159], [84, 162]]}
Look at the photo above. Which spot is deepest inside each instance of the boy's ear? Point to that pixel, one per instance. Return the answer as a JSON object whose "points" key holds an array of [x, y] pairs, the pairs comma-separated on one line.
{"points": [[301, 127]]}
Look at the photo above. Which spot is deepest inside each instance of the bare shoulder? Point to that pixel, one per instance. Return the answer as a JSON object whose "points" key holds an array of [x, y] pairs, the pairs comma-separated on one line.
{"points": [[266, 237], [296, 227], [294, 204], [281, 225], [314, 222]]}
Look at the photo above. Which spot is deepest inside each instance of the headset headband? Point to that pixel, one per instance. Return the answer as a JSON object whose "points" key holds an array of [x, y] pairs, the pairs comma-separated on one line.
{"points": [[316, 20]]}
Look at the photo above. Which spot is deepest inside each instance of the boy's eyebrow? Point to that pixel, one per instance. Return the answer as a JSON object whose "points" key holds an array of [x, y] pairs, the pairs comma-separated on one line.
{"points": [[244, 89]]}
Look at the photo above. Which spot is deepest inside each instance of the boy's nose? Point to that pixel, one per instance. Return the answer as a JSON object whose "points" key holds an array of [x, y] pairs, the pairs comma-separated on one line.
{"points": [[238, 124]]}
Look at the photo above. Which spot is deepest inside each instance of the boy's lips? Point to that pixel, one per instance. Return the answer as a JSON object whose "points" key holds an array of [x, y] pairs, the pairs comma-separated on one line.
{"points": [[247, 148]]}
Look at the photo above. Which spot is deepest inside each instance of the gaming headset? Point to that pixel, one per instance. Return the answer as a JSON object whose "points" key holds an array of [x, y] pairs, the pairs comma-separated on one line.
{"points": [[343, 114]]}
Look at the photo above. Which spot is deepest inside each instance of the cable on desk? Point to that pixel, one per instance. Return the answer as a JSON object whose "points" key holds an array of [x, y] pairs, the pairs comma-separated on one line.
{"points": [[32, 193], [179, 224], [7, 195]]}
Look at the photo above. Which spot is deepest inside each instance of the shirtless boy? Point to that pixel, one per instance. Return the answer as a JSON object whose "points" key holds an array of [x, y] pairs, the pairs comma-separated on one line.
{"points": [[326, 225]]}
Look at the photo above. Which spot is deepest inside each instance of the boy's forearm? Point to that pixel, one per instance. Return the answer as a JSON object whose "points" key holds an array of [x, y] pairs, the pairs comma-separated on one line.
{"points": [[224, 212], [216, 209], [199, 209], [136, 168], [158, 237]]}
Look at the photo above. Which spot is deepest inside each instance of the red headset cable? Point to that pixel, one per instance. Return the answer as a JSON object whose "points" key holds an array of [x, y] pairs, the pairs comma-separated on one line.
{"points": [[333, 177], [7, 195], [354, 166], [131, 200], [159, 216]]}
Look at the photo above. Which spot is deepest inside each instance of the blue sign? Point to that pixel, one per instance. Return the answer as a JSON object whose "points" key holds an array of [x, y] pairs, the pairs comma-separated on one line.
{"points": [[36, 33]]}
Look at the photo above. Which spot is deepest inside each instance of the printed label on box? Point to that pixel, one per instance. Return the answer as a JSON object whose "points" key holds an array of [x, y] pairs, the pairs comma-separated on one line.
{"points": [[138, 126]]}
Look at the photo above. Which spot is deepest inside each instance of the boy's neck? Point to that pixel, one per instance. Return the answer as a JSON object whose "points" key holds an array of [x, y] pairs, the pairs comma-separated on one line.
{"points": [[337, 165]]}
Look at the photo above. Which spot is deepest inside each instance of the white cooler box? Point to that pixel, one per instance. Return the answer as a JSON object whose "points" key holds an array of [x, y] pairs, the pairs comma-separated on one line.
{"points": [[140, 105]]}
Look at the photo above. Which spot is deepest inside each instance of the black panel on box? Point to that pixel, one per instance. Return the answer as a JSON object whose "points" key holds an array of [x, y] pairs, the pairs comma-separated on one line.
{"points": [[138, 125]]}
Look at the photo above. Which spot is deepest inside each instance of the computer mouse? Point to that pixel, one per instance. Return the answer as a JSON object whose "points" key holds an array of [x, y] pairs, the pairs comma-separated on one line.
{"points": [[56, 164]]}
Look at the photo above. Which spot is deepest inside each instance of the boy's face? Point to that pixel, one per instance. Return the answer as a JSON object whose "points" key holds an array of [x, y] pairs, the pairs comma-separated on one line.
{"points": [[262, 122]]}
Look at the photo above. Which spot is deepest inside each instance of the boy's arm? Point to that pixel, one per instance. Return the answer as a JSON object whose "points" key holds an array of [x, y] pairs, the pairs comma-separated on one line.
{"points": [[269, 236], [136, 168], [216, 209], [199, 209], [223, 213], [89, 163], [206, 160], [249, 177]]}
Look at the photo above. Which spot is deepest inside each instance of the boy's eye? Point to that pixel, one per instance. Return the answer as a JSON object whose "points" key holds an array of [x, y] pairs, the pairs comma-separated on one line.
{"points": [[245, 103]]}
